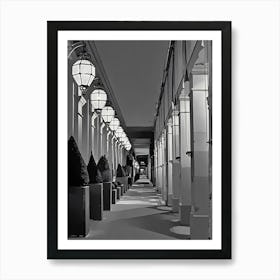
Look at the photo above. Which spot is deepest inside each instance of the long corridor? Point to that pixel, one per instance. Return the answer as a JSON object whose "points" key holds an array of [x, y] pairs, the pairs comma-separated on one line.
{"points": [[127, 121], [139, 214]]}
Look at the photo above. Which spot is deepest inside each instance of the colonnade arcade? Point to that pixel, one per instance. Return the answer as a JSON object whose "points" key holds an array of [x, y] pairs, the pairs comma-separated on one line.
{"points": [[183, 141]]}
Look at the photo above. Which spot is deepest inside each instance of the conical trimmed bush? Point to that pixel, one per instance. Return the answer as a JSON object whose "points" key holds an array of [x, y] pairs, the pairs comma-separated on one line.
{"points": [[77, 169], [103, 166], [125, 169], [120, 171], [93, 172], [129, 160]]}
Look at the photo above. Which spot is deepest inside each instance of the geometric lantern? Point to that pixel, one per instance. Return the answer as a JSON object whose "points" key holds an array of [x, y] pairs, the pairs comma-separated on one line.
{"points": [[83, 72], [128, 146], [114, 124], [98, 99], [119, 132], [125, 140], [107, 114], [123, 136]]}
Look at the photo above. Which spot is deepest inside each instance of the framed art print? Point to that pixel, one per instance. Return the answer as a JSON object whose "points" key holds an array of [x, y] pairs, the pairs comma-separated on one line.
{"points": [[139, 140]]}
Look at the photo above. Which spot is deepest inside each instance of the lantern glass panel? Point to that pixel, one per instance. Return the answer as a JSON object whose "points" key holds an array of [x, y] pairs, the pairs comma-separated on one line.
{"points": [[119, 132], [98, 99], [114, 124], [91, 78], [83, 72], [85, 68], [107, 114], [75, 69]]}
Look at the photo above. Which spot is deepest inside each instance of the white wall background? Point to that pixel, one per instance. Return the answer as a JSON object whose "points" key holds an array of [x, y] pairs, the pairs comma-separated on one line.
{"points": [[255, 150]]}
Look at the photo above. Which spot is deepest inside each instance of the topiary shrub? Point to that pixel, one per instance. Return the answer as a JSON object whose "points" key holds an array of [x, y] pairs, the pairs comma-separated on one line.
{"points": [[129, 160], [137, 177], [77, 169], [126, 170], [103, 166], [93, 172], [120, 171]]}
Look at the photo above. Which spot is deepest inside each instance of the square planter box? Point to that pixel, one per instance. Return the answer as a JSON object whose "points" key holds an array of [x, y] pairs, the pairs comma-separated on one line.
{"points": [[107, 195], [124, 181], [119, 191], [122, 189], [114, 196], [129, 181], [96, 201], [78, 211]]}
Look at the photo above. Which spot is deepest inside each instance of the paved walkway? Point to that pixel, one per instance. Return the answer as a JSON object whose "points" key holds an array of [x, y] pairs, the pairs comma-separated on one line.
{"points": [[139, 214]]}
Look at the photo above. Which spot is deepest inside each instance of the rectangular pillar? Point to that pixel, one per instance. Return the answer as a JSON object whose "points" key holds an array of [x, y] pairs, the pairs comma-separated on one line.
{"points": [[202, 164], [102, 138], [71, 105], [185, 156], [85, 132], [169, 163], [175, 161], [95, 136]]}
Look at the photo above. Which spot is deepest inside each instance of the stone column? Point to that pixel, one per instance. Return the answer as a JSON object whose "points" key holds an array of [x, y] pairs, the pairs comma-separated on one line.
{"points": [[71, 103], [120, 153], [155, 164], [160, 166], [85, 131], [164, 181], [175, 161], [185, 156], [202, 165], [104, 140], [101, 138], [97, 130], [95, 136], [113, 153], [169, 163], [81, 125], [117, 152], [75, 112], [109, 147], [149, 168]]}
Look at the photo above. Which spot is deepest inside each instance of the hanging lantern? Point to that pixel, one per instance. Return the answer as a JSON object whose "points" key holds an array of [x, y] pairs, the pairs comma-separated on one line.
{"points": [[83, 72], [123, 137], [114, 124], [107, 114], [128, 146], [119, 132], [98, 99], [125, 140]]}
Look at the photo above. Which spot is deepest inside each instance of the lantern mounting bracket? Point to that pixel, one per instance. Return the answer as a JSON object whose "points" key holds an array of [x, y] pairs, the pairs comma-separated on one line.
{"points": [[76, 46]]}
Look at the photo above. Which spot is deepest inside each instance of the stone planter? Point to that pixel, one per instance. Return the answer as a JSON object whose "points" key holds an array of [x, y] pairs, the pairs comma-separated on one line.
{"points": [[129, 182], [124, 181], [119, 191], [78, 211], [96, 201], [114, 196], [107, 195]]}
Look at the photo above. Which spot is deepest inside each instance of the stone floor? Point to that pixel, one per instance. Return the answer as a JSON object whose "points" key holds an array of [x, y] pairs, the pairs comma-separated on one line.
{"points": [[139, 214]]}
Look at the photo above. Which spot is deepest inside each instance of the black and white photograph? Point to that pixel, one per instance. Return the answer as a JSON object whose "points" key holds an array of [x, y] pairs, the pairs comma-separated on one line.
{"points": [[140, 140], [144, 160]]}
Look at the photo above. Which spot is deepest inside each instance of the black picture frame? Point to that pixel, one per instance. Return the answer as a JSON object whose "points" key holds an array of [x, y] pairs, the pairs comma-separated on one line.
{"points": [[52, 131]]}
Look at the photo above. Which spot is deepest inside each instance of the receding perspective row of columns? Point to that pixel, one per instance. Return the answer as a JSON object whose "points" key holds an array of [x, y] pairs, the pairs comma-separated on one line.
{"points": [[183, 135]]}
